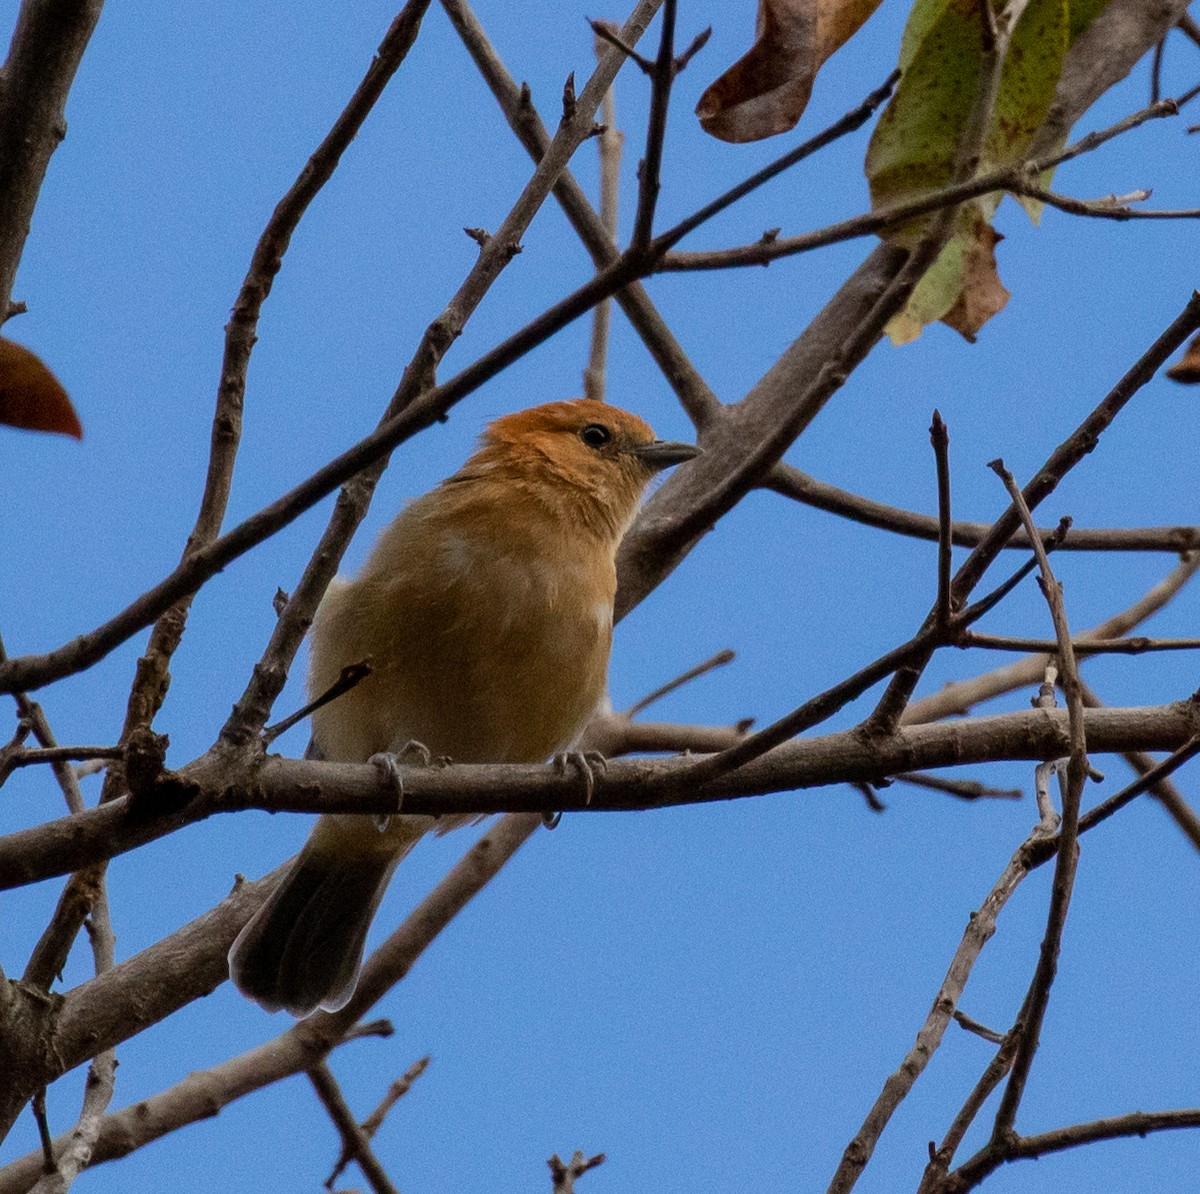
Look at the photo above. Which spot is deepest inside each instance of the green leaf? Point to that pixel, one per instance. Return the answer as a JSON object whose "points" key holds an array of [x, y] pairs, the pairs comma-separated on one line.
{"points": [[916, 139]]}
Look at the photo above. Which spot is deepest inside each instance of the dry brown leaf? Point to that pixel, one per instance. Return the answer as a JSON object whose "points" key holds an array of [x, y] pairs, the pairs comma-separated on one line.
{"points": [[766, 90], [982, 294], [31, 396], [1188, 369]]}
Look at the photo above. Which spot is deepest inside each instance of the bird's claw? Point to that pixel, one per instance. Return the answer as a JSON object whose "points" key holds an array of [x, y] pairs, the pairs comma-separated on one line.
{"points": [[587, 763], [388, 765], [416, 752], [388, 762]]}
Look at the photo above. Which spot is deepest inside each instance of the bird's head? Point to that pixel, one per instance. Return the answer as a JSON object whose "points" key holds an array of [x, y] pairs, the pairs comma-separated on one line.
{"points": [[581, 456]]}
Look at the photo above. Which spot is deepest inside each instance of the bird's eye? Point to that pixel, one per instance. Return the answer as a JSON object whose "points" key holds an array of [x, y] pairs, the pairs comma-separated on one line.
{"points": [[595, 435]]}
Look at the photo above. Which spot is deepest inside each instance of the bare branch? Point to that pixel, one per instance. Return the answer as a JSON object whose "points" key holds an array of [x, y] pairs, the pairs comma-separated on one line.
{"points": [[980, 928], [1014, 178], [1137, 1123], [1139, 645], [292, 785], [354, 1140], [46, 49], [609, 144], [692, 391], [941, 450], [564, 1174], [656, 130], [960, 697], [395, 1092], [1037, 999], [792, 483]]}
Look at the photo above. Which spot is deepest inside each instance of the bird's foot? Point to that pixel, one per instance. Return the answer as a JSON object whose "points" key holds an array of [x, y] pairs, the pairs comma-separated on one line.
{"points": [[388, 762], [587, 763]]}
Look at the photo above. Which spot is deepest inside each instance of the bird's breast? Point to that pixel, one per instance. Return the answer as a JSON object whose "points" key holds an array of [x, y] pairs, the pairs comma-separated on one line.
{"points": [[482, 650]]}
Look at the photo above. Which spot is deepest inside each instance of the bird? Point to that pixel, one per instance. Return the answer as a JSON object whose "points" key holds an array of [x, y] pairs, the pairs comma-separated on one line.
{"points": [[485, 615]]}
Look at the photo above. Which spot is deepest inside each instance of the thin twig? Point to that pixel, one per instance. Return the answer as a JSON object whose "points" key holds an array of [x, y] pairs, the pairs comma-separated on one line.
{"points": [[350, 677], [353, 1137], [974, 1027], [61, 754], [38, 1106], [940, 439], [374, 1121], [849, 123], [609, 148], [994, 1073], [720, 659], [605, 32], [649, 170], [697, 400], [790, 482], [1138, 645], [964, 789], [1005, 178], [1037, 999], [1103, 209]]}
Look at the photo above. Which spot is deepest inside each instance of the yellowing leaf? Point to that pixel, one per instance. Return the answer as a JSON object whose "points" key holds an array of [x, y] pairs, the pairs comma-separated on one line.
{"points": [[31, 396], [933, 297], [917, 141], [1028, 80], [766, 90]]}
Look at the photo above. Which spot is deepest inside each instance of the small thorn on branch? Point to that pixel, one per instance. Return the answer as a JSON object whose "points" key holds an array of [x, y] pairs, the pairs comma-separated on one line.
{"points": [[479, 235]]}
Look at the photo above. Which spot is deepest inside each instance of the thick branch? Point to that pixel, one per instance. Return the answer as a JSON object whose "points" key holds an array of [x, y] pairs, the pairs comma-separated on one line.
{"points": [[292, 785], [43, 56]]}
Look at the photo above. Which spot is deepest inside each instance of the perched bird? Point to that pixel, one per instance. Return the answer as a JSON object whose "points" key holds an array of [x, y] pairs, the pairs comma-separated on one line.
{"points": [[485, 611]]}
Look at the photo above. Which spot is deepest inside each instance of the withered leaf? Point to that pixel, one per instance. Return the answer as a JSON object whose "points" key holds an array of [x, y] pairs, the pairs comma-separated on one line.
{"points": [[1188, 369], [31, 396], [766, 90], [983, 294]]}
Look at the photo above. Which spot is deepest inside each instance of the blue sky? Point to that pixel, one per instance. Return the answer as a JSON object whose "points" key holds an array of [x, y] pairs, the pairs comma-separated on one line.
{"points": [[712, 996]]}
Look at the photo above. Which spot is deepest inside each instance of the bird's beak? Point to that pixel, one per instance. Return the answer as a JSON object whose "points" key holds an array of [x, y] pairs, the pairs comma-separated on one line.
{"points": [[663, 453]]}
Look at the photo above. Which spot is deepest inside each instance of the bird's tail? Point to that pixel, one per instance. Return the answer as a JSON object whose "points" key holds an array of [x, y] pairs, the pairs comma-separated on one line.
{"points": [[302, 949]]}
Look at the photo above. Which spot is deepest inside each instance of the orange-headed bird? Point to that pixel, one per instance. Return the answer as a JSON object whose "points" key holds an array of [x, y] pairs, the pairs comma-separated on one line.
{"points": [[486, 612]]}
